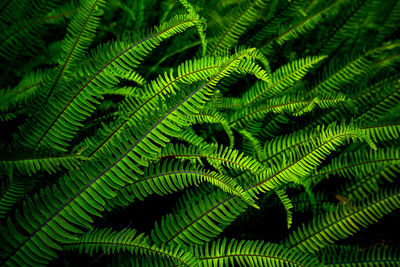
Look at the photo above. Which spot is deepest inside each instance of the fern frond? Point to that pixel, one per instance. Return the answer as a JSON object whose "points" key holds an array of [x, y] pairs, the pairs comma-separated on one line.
{"points": [[345, 221], [303, 161], [15, 100], [12, 191], [359, 101], [24, 35], [302, 26], [215, 155], [62, 118], [228, 65], [49, 163], [251, 145], [219, 210], [80, 33], [287, 11], [343, 74], [361, 187], [304, 139], [169, 176], [391, 21], [133, 108], [200, 27], [385, 129], [281, 79], [388, 100], [287, 203], [128, 240], [346, 256], [296, 106], [359, 11], [360, 163], [229, 35], [99, 178], [251, 253], [198, 223]]}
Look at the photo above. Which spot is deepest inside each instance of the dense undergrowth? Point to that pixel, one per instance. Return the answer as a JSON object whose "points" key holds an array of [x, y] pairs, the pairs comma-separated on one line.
{"points": [[199, 133]]}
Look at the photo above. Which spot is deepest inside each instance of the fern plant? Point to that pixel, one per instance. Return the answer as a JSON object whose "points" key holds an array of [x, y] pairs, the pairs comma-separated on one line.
{"points": [[199, 133]]}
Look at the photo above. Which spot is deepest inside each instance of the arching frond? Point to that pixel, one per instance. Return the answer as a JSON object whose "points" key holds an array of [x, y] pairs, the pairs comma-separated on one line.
{"points": [[281, 79], [200, 222], [80, 32], [23, 35], [385, 129], [360, 163], [215, 155], [302, 161], [251, 253], [99, 178], [110, 242], [15, 100], [301, 26], [12, 190], [345, 221], [41, 162], [170, 176], [62, 118], [287, 203], [228, 36], [346, 256]]}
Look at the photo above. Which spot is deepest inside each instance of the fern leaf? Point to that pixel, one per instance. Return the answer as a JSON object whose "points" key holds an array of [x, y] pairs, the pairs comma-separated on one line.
{"points": [[360, 163], [251, 253], [12, 191], [101, 179], [230, 34], [345, 221], [198, 223], [281, 79], [61, 118], [215, 155], [169, 176], [129, 240], [80, 32], [51, 164], [302, 26], [24, 35], [384, 129], [133, 108], [303, 162], [334, 81], [347, 256], [287, 203]]}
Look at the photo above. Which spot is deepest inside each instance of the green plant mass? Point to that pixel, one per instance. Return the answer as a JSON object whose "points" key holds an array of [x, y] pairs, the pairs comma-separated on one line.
{"points": [[199, 133]]}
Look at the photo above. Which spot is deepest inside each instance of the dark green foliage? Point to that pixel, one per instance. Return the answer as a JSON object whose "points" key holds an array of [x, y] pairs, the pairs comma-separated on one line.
{"points": [[229, 133]]}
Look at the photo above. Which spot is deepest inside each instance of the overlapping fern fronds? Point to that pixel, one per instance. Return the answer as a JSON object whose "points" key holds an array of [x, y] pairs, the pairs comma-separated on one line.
{"points": [[201, 123]]}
